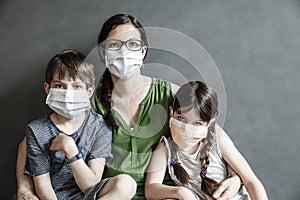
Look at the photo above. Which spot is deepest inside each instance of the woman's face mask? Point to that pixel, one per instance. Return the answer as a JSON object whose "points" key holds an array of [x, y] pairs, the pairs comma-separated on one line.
{"points": [[68, 103], [123, 64]]}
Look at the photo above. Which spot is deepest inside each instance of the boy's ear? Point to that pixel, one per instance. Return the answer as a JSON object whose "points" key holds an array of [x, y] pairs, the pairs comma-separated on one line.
{"points": [[101, 52], [91, 91], [46, 88], [171, 111]]}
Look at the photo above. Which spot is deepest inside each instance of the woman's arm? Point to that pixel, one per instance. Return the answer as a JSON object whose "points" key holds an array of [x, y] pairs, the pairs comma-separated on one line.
{"points": [[230, 186], [174, 88], [25, 187], [154, 189], [86, 176], [234, 158], [43, 187]]}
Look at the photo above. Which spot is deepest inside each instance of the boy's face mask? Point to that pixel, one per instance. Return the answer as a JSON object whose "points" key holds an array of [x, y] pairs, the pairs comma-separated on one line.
{"points": [[123, 64], [68, 103], [187, 135]]}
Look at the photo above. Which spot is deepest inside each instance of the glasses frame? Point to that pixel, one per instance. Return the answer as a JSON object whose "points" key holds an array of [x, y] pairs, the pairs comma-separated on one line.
{"points": [[122, 44]]}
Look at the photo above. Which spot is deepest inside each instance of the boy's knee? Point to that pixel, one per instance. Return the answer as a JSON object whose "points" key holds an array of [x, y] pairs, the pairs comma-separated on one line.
{"points": [[125, 184]]}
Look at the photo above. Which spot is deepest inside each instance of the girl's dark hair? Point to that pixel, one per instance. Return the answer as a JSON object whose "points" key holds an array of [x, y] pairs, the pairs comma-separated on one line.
{"points": [[197, 95], [72, 64], [106, 81]]}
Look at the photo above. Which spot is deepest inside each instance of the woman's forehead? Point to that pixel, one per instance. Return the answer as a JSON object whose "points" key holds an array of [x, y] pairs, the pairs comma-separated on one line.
{"points": [[124, 32]]}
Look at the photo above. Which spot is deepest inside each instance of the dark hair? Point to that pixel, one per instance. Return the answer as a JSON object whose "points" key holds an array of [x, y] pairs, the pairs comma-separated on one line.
{"points": [[106, 81], [117, 20], [72, 64], [196, 95]]}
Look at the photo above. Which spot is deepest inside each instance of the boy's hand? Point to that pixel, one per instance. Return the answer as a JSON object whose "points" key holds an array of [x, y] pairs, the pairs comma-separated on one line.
{"points": [[64, 143], [27, 196]]}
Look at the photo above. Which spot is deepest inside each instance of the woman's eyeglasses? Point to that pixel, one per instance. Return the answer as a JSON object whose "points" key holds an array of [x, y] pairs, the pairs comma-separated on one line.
{"points": [[131, 44]]}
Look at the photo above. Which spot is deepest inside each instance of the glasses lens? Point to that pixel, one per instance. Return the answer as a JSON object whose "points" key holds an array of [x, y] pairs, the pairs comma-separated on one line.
{"points": [[113, 44], [134, 45]]}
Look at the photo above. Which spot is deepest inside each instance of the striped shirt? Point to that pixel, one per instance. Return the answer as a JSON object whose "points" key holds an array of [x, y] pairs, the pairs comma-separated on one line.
{"points": [[216, 170], [94, 137]]}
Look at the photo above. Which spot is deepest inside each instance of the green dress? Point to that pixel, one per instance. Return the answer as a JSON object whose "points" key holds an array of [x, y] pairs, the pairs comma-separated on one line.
{"points": [[132, 147]]}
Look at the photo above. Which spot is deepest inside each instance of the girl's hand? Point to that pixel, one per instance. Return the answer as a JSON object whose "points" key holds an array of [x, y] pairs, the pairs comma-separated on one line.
{"points": [[228, 188]]}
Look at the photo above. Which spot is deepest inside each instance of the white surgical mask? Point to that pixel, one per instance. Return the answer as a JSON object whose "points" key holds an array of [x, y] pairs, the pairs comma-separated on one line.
{"points": [[123, 64], [68, 103], [191, 134]]}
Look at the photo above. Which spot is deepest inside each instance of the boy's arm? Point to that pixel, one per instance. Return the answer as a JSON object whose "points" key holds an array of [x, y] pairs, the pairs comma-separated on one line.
{"points": [[24, 183], [43, 187], [86, 176], [238, 163], [154, 187]]}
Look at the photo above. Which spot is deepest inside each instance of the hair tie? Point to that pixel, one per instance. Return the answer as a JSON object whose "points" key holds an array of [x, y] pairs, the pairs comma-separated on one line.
{"points": [[203, 172], [174, 161]]}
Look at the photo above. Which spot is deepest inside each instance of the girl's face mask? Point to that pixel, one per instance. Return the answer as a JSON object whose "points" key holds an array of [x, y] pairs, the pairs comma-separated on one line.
{"points": [[123, 64], [68, 103], [187, 135]]}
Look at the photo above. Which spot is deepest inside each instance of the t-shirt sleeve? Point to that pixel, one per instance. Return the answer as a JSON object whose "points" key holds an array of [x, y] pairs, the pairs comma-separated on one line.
{"points": [[37, 162], [101, 147]]}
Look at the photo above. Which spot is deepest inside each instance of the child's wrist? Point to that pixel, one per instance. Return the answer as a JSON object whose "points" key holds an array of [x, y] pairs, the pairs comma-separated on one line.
{"points": [[76, 157], [71, 150]]}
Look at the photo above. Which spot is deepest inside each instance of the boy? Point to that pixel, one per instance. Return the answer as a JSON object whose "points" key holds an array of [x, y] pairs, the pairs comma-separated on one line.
{"points": [[67, 149]]}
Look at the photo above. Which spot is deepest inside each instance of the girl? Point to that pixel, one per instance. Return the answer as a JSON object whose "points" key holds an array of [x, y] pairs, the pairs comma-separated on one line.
{"points": [[198, 152]]}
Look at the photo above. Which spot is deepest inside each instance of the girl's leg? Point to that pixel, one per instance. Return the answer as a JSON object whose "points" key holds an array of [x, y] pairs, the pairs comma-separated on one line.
{"points": [[121, 187]]}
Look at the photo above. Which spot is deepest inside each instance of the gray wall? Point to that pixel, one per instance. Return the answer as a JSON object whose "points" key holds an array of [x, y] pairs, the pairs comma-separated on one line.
{"points": [[255, 45]]}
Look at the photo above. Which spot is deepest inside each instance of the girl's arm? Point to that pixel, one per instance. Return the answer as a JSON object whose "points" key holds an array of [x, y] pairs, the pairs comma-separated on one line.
{"points": [[24, 183], [238, 163], [86, 176], [43, 187], [154, 189]]}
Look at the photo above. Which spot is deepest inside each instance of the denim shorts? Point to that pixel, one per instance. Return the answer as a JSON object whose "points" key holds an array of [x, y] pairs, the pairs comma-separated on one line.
{"points": [[92, 194]]}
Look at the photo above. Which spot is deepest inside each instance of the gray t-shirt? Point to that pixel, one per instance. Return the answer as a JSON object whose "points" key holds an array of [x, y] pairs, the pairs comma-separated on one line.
{"points": [[93, 137]]}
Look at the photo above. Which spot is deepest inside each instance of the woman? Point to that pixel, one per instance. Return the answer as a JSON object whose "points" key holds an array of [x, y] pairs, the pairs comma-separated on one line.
{"points": [[135, 106]]}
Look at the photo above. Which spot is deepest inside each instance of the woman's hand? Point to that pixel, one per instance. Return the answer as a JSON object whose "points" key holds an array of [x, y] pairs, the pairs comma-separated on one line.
{"points": [[185, 194], [228, 188]]}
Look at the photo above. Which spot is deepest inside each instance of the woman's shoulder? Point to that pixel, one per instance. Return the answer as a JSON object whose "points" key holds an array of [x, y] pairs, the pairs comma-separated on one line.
{"points": [[165, 85]]}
